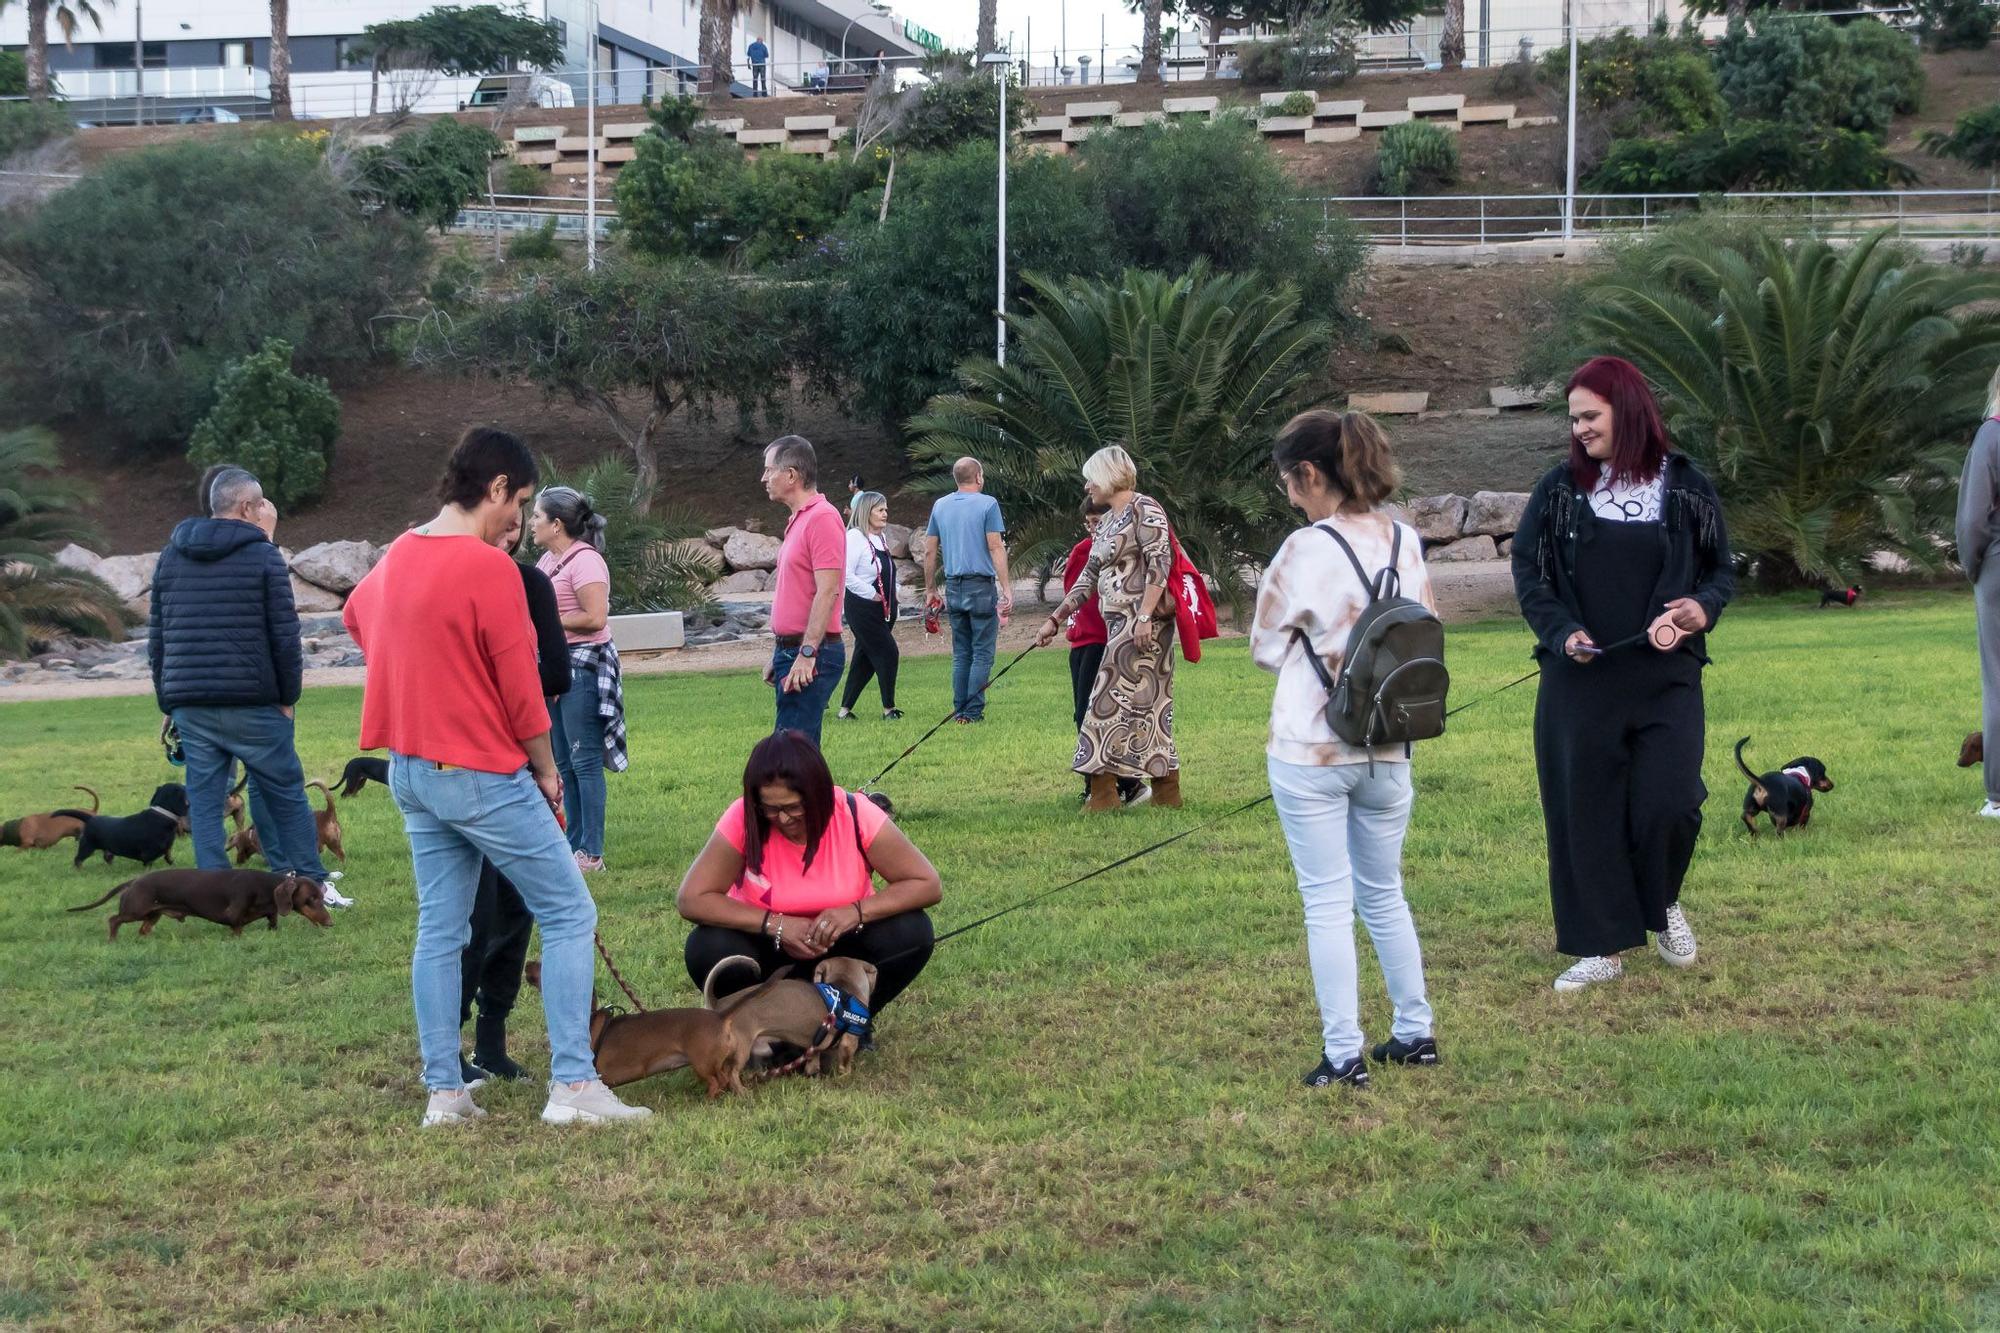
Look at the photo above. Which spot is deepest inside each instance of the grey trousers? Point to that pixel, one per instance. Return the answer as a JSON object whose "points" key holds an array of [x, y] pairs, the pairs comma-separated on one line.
{"points": [[1987, 598]]}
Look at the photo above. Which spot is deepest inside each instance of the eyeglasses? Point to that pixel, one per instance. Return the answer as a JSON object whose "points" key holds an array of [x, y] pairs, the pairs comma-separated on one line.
{"points": [[779, 813]]}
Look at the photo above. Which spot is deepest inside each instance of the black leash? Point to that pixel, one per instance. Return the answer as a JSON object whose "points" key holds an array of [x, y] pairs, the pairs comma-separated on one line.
{"points": [[946, 719], [1627, 642]]}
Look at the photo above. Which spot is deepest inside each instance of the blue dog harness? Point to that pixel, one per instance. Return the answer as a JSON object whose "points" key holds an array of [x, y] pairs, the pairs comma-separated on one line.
{"points": [[844, 1013]]}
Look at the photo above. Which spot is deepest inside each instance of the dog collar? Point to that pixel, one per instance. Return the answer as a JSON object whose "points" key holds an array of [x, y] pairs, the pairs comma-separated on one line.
{"points": [[168, 813], [1798, 773]]}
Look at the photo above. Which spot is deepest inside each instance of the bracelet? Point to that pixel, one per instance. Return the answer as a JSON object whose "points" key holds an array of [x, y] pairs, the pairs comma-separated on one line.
{"points": [[765, 927], [779, 938], [859, 919]]}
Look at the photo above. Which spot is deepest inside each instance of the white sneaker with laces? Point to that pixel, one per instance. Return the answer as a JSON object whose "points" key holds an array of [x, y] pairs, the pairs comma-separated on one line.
{"points": [[1991, 810], [1676, 942], [449, 1106], [1590, 971], [590, 1104], [334, 897]]}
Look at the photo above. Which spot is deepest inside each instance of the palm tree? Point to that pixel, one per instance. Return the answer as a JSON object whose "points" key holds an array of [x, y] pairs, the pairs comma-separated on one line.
{"points": [[39, 511], [1192, 374], [68, 14], [1451, 41], [1828, 392], [1149, 45], [281, 59], [718, 63], [989, 23]]}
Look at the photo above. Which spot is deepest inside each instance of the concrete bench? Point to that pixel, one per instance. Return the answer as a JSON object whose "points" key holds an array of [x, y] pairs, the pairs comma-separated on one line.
{"points": [[1446, 105], [1485, 115], [1045, 125], [576, 145], [538, 157], [1389, 404], [1077, 133], [819, 146], [1278, 99], [1191, 106], [808, 124], [537, 133], [629, 130], [1333, 133], [1285, 124], [752, 138], [721, 126], [1531, 122], [1131, 120], [651, 632], [1382, 120], [1092, 110], [1347, 111]]}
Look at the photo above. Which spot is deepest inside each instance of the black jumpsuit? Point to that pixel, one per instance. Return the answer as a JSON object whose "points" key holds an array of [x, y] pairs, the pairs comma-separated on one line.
{"points": [[1618, 750]]}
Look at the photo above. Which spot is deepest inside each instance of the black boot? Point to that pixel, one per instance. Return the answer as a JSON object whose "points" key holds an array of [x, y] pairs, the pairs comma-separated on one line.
{"points": [[489, 1047]]}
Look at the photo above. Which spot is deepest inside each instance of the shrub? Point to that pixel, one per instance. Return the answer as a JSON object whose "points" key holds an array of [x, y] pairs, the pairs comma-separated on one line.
{"points": [[522, 179], [1662, 82], [1519, 77], [1215, 191], [954, 111], [1753, 155], [535, 247], [1954, 25], [649, 571], [1813, 75], [456, 279], [25, 126], [13, 74], [1974, 139], [1261, 63], [1414, 158], [1294, 104], [219, 245], [430, 174], [275, 423], [1827, 392], [1320, 48], [1193, 374], [39, 512]]}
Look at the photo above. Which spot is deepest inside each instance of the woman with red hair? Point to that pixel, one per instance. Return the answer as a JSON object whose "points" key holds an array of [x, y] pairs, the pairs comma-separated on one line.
{"points": [[1621, 534]]}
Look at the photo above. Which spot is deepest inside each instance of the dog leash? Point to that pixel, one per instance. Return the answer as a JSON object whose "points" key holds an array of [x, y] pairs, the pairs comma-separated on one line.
{"points": [[948, 717], [1626, 642], [612, 967]]}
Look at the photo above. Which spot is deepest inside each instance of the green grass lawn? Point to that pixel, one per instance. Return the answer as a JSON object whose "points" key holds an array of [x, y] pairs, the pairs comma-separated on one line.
{"points": [[1086, 1114]]}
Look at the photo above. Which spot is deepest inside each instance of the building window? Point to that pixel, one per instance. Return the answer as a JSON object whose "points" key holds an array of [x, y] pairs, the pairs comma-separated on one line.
{"points": [[343, 51], [118, 55], [235, 55]]}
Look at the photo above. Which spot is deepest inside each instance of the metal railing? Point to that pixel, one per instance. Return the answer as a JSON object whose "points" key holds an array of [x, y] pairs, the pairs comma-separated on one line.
{"points": [[1409, 222]]}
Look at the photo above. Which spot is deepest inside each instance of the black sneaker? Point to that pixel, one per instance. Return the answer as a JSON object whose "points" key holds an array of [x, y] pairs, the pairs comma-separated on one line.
{"points": [[471, 1074], [892, 715], [1353, 1072], [1422, 1051]]}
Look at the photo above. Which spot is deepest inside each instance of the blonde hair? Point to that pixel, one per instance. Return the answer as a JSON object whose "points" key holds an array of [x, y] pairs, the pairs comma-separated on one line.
{"points": [[1993, 394], [861, 506], [1111, 469]]}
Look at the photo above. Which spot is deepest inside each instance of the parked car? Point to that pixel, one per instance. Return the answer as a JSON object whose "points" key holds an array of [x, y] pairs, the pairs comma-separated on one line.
{"points": [[532, 89]]}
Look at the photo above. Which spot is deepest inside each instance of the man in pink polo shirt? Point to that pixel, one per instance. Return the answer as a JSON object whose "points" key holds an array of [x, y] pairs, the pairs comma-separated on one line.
{"points": [[805, 609]]}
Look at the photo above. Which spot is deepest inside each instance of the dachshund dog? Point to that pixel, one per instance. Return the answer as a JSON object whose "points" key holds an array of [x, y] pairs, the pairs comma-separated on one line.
{"points": [[233, 898], [245, 844], [362, 770], [1972, 750], [145, 837], [629, 1047], [33, 832], [1786, 795], [1839, 596]]}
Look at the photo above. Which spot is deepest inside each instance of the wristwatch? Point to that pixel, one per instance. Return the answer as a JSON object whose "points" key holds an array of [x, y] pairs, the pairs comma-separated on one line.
{"points": [[808, 651]]}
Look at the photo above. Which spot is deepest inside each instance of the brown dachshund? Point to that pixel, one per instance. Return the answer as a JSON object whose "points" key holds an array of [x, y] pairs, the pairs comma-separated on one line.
{"points": [[233, 898], [629, 1047], [1972, 750], [245, 845], [34, 832]]}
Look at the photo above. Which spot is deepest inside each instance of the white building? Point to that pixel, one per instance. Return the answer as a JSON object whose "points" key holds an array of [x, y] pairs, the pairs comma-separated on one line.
{"points": [[203, 57]]}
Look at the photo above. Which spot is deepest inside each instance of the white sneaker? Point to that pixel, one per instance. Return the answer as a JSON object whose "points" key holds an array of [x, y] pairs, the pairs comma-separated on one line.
{"points": [[334, 897], [449, 1106], [1590, 971], [1676, 942], [1991, 810], [589, 1104]]}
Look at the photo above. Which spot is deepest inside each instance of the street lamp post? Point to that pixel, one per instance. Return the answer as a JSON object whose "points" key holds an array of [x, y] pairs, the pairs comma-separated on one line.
{"points": [[876, 6], [999, 60], [590, 147], [1569, 171]]}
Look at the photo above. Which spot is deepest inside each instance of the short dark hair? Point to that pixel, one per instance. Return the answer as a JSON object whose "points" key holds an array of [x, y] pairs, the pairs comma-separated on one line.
{"points": [[786, 759], [1349, 450], [1638, 434], [482, 454], [796, 452], [1093, 508]]}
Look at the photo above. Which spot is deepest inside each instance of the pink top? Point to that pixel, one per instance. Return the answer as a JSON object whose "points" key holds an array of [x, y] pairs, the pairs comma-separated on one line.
{"points": [[815, 539], [839, 875], [578, 567]]}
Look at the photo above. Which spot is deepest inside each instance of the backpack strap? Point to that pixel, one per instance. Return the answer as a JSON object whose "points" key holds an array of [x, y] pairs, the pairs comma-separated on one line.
{"points": [[854, 818], [1360, 571]]}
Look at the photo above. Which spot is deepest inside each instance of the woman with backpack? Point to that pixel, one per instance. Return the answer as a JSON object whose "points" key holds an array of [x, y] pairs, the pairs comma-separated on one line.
{"points": [[1344, 807], [1621, 546]]}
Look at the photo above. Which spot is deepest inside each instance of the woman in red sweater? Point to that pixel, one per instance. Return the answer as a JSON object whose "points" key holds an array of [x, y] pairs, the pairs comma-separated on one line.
{"points": [[453, 693]]}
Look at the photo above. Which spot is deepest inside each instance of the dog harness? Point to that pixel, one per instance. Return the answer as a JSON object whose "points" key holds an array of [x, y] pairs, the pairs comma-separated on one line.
{"points": [[845, 1014]]}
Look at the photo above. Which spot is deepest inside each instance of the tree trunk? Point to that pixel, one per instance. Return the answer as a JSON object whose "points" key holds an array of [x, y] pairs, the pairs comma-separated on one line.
{"points": [[375, 84], [38, 50], [888, 187], [1213, 65], [1451, 44], [281, 59], [1738, 9], [989, 23], [718, 70], [1149, 45], [637, 439]]}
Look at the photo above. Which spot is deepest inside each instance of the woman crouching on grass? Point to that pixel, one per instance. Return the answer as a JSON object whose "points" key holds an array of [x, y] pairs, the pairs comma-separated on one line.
{"points": [[789, 875], [1344, 810]]}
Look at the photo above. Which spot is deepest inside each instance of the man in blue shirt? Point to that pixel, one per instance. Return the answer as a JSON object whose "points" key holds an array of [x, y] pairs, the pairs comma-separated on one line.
{"points": [[760, 56], [967, 531]]}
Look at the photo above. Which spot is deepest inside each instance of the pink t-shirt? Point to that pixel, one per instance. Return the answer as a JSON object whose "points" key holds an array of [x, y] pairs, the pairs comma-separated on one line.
{"points": [[578, 567], [839, 875], [815, 539]]}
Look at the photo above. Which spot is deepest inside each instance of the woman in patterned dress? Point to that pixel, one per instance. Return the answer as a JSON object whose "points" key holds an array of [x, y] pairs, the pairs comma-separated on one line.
{"points": [[1128, 730]]}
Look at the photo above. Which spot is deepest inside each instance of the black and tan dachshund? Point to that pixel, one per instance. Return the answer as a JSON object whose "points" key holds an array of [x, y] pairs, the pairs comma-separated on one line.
{"points": [[362, 770], [145, 837], [1786, 795]]}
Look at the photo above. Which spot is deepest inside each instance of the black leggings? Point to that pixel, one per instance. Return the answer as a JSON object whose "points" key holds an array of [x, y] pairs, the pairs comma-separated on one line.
{"points": [[890, 936], [490, 967], [875, 651]]}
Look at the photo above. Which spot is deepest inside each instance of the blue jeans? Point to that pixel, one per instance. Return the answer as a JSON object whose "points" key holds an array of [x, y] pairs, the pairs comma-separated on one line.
{"points": [[1345, 828], [456, 816], [261, 737], [576, 733], [803, 710], [972, 603]]}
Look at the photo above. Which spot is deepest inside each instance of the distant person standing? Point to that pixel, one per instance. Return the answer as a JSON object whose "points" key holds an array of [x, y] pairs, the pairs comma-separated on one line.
{"points": [[222, 638], [870, 608], [589, 721], [760, 58], [968, 534], [1978, 535], [1087, 635], [805, 606]]}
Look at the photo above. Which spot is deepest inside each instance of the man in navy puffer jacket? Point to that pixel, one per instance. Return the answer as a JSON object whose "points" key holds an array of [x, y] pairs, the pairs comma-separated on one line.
{"points": [[227, 667]]}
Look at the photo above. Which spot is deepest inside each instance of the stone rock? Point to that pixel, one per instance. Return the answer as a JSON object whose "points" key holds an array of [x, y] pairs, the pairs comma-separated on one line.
{"points": [[335, 566], [897, 537], [321, 626], [1495, 513], [128, 575], [75, 557], [306, 597], [719, 537], [122, 669], [698, 552], [744, 580], [750, 550], [1469, 548], [141, 606], [1439, 518], [1506, 548], [909, 574]]}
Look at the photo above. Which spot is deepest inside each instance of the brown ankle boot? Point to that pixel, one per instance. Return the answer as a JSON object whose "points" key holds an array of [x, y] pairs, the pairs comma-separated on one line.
{"points": [[1167, 790], [1103, 794]]}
